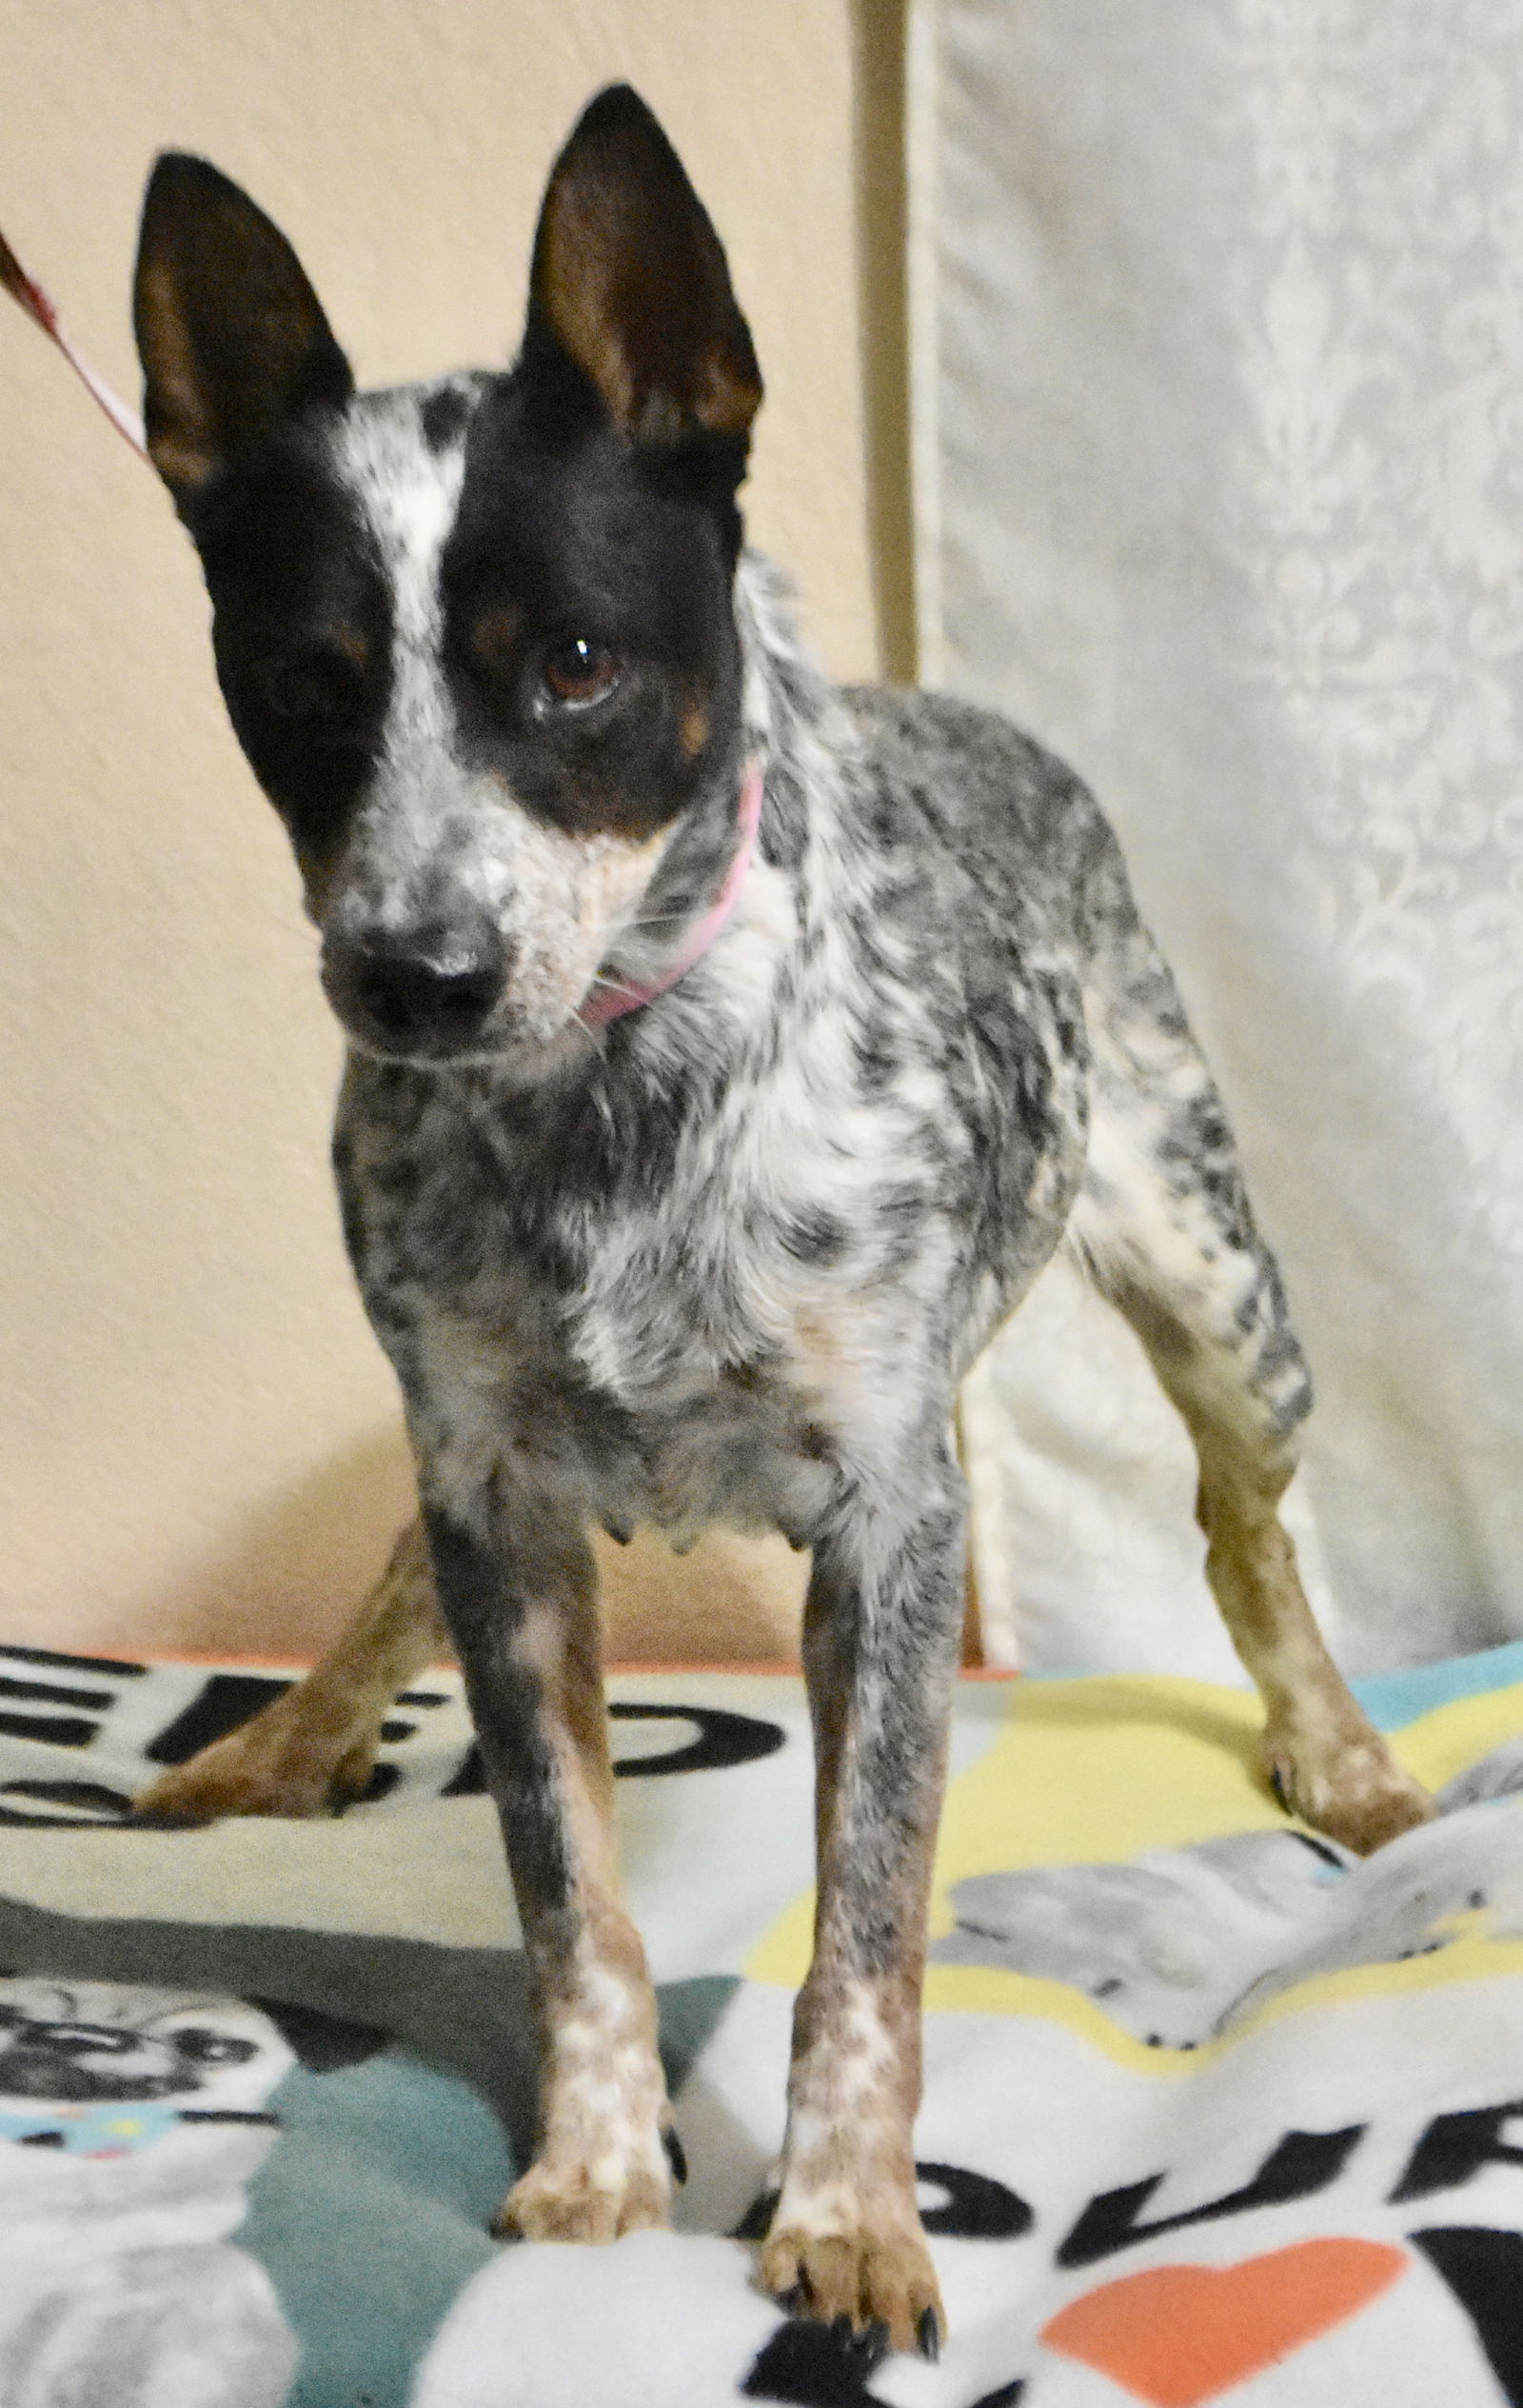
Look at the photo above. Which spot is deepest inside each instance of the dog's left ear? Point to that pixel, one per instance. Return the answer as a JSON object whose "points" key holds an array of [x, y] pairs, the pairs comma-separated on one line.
{"points": [[630, 279]]}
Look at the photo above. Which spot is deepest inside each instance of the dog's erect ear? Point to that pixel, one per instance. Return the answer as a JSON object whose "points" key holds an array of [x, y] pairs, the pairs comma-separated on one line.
{"points": [[232, 335], [630, 278]]}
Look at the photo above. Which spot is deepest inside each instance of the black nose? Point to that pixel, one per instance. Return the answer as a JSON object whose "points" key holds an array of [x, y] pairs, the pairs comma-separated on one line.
{"points": [[426, 989]]}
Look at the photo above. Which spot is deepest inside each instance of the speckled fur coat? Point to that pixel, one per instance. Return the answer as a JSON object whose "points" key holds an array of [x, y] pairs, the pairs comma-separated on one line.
{"points": [[874, 1087]]}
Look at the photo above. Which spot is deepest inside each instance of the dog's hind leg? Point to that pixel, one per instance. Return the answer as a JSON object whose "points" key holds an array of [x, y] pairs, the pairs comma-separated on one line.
{"points": [[314, 1748], [1163, 1224]]}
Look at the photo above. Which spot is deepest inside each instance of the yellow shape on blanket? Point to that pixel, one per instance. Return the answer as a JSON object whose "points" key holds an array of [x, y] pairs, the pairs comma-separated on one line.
{"points": [[1100, 1770], [987, 1990], [1081, 1772]]}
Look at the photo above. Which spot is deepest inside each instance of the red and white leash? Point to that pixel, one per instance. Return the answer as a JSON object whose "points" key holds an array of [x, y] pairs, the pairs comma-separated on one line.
{"points": [[38, 305]]}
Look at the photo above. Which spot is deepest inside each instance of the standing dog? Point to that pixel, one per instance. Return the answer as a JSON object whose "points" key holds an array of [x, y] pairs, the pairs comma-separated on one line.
{"points": [[727, 1054]]}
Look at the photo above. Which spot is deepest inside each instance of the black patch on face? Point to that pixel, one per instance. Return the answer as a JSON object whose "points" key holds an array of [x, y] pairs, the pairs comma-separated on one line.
{"points": [[301, 631], [570, 536]]}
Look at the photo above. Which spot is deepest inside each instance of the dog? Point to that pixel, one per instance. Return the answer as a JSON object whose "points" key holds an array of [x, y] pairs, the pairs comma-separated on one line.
{"points": [[727, 1053], [130, 2124]]}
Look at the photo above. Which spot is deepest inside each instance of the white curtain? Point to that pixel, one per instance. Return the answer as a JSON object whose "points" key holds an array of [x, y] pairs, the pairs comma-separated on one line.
{"points": [[1219, 369]]}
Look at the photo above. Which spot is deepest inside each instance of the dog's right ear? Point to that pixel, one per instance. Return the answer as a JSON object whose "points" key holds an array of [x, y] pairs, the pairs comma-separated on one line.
{"points": [[231, 336]]}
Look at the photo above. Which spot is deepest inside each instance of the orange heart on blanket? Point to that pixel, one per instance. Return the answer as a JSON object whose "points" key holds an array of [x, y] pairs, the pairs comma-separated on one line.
{"points": [[1177, 2336]]}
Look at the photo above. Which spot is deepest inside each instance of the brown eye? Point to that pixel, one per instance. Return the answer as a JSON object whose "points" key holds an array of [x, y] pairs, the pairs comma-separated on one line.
{"points": [[579, 673]]}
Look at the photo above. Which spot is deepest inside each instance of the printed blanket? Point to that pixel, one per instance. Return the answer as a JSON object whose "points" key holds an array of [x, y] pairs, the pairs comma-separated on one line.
{"points": [[1211, 2111]]}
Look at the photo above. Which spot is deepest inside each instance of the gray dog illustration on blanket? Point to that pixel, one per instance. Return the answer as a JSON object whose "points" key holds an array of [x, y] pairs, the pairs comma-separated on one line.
{"points": [[130, 2122], [1179, 1944]]}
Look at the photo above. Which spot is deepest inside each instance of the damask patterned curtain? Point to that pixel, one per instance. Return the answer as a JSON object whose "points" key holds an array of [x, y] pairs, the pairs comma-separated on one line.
{"points": [[1219, 338]]}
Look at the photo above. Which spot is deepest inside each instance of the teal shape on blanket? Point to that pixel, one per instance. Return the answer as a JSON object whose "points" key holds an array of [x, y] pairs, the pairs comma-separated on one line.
{"points": [[370, 2216]]}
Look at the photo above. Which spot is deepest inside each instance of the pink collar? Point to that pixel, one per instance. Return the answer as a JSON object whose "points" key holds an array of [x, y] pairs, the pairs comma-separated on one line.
{"points": [[613, 1002]]}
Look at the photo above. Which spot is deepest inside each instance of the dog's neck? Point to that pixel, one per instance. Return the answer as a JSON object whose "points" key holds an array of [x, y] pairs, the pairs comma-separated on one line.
{"points": [[797, 732], [613, 1000]]}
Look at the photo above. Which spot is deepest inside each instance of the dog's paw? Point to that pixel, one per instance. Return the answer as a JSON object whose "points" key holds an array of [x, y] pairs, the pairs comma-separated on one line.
{"points": [[878, 2277], [578, 2201], [246, 1775], [1355, 1792]]}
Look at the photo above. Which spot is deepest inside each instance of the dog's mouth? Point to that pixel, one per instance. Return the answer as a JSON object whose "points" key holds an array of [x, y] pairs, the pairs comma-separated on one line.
{"points": [[524, 1060]]}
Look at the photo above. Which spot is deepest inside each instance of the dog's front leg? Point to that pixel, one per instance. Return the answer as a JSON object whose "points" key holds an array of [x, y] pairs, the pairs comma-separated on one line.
{"points": [[517, 1585], [881, 1630]]}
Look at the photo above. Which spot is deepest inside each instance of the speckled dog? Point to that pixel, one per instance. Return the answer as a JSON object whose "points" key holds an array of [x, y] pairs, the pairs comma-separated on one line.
{"points": [[652, 1238]]}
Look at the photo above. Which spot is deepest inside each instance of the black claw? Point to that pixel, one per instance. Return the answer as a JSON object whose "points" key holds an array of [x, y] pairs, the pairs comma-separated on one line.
{"points": [[928, 2335], [1277, 1782], [867, 2347], [676, 2154]]}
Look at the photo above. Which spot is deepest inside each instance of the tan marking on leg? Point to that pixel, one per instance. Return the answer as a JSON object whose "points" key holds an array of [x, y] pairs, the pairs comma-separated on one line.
{"points": [[602, 2168], [314, 1747], [1323, 1755], [1201, 1291]]}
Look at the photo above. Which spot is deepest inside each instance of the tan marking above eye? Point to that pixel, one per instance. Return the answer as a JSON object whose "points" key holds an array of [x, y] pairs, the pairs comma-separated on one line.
{"points": [[496, 639], [693, 735]]}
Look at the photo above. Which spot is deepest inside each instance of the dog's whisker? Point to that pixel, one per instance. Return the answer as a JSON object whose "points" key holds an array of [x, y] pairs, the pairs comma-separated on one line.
{"points": [[659, 920]]}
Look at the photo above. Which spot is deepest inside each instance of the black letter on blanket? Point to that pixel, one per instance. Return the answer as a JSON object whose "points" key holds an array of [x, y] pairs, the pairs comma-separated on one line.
{"points": [[1454, 2147], [1485, 2272], [818, 2366], [1298, 2164]]}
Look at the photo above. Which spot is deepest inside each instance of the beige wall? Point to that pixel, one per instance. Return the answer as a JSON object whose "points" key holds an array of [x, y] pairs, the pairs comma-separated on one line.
{"points": [[198, 1438]]}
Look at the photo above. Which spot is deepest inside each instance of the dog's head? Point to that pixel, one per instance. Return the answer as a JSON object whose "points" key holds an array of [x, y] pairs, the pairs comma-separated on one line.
{"points": [[476, 637]]}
